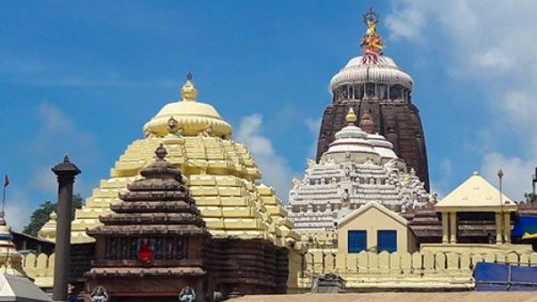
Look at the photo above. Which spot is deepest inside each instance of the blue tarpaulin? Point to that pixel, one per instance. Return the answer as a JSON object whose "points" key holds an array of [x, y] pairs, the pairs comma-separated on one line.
{"points": [[525, 227], [504, 277]]}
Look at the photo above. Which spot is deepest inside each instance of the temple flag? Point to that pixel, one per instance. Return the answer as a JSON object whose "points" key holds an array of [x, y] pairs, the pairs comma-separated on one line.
{"points": [[6, 181]]}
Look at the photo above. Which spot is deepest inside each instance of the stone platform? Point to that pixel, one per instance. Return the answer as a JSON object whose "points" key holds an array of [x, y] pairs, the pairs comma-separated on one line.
{"points": [[399, 297]]}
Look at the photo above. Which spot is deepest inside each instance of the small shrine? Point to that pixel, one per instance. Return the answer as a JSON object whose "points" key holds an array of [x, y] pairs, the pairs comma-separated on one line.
{"points": [[151, 247]]}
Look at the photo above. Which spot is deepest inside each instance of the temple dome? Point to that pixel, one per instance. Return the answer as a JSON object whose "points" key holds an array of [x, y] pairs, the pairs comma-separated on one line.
{"points": [[382, 146], [384, 71], [192, 116], [351, 141]]}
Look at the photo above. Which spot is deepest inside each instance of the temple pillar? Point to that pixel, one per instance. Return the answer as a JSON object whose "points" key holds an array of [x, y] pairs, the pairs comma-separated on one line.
{"points": [[445, 227], [453, 227], [65, 173], [499, 228], [507, 227]]}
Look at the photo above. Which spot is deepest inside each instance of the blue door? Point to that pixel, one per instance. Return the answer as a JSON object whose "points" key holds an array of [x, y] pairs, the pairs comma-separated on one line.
{"points": [[357, 241], [387, 241]]}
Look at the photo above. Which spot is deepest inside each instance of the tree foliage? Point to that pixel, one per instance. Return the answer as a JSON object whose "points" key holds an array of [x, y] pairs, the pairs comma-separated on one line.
{"points": [[41, 215]]}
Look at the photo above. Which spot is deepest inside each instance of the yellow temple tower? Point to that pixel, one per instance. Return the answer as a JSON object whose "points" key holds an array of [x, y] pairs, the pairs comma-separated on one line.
{"points": [[221, 174]]}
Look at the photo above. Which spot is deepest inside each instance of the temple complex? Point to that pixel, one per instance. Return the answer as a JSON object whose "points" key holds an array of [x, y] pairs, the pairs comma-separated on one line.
{"points": [[359, 167], [372, 83], [222, 178]]}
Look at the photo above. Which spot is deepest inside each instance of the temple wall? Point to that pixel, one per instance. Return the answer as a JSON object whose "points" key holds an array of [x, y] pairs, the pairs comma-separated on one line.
{"points": [[39, 267], [401, 270]]}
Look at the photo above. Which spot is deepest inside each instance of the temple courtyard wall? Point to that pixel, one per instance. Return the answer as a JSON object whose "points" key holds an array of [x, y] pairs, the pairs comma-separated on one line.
{"points": [[366, 271], [419, 271]]}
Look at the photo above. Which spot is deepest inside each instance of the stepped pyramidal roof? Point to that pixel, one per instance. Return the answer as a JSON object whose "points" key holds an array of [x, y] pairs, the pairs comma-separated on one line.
{"points": [[221, 174]]}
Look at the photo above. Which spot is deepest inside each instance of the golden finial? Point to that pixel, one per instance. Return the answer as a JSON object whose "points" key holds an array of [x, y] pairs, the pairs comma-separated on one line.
{"points": [[351, 116], [189, 92], [371, 42]]}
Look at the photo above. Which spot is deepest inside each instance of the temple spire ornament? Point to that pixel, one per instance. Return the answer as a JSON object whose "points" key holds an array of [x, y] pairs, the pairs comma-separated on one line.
{"points": [[188, 91], [371, 42], [351, 116]]}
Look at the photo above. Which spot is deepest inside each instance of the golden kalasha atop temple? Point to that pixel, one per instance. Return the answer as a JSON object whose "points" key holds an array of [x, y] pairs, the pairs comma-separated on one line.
{"points": [[221, 174]]}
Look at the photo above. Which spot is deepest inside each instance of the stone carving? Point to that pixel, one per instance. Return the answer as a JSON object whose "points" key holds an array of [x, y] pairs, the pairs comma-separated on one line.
{"points": [[296, 182], [187, 294], [358, 168], [99, 294], [173, 127], [207, 132], [149, 134]]}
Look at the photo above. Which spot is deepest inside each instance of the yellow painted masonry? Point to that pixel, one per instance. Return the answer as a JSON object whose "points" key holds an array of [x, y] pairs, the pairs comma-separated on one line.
{"points": [[40, 268], [402, 270], [220, 173]]}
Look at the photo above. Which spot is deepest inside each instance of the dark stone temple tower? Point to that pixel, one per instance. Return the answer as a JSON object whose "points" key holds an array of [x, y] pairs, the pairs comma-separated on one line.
{"points": [[372, 83], [152, 247]]}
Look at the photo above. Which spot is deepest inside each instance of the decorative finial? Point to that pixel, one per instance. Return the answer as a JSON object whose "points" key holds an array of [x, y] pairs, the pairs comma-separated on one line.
{"points": [[371, 42], [189, 92], [66, 159], [53, 216], [351, 116], [161, 152]]}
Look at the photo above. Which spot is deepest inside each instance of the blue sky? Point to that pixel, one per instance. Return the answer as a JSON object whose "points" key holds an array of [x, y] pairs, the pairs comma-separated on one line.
{"points": [[82, 77]]}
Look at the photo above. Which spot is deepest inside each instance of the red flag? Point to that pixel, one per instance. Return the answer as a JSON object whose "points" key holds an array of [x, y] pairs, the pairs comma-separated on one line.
{"points": [[6, 181]]}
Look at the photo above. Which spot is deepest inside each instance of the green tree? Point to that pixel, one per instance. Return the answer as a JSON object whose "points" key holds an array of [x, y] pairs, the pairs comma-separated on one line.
{"points": [[41, 215]]}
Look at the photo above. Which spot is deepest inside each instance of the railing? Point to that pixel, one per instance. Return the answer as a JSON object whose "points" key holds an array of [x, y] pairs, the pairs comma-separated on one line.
{"points": [[39, 267], [405, 270]]}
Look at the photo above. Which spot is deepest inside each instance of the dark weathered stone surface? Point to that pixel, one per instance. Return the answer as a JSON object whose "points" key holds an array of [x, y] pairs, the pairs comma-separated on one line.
{"points": [[153, 244], [398, 121]]}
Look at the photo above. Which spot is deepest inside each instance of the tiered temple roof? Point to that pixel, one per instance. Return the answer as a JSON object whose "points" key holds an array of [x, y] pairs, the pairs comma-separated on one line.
{"points": [[10, 259], [157, 211], [221, 174], [358, 168]]}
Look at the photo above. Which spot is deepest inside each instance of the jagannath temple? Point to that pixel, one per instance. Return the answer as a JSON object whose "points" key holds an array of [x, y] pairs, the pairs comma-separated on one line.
{"points": [[373, 83], [380, 159], [184, 215]]}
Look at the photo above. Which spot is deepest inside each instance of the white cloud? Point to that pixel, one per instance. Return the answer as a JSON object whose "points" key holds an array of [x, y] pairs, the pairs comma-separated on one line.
{"points": [[493, 45], [441, 184], [18, 208], [44, 180], [56, 135], [276, 171], [517, 173], [313, 125]]}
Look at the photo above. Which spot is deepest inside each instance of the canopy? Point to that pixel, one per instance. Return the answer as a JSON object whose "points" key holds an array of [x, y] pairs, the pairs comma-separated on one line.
{"points": [[20, 289]]}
